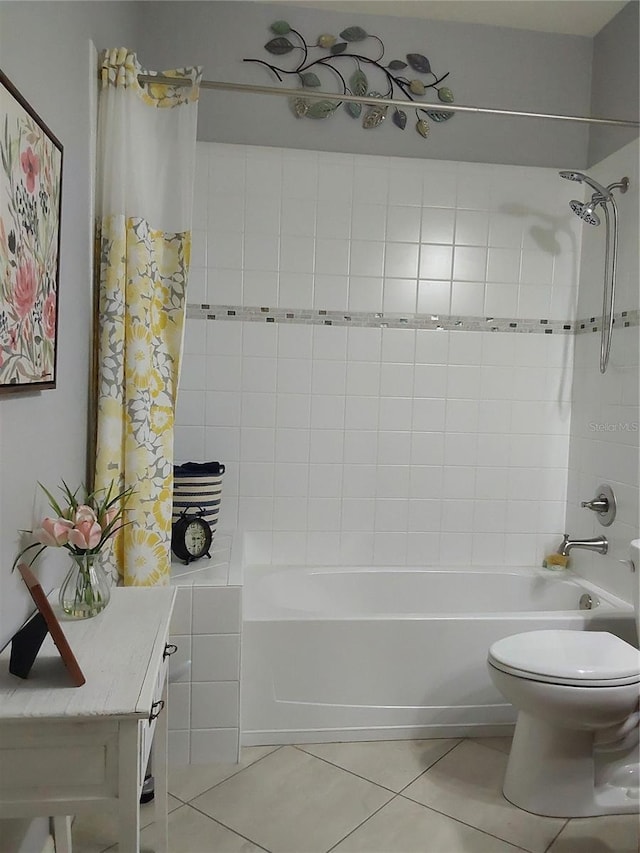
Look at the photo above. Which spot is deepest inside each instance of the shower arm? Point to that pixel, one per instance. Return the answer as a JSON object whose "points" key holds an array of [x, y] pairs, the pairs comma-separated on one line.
{"points": [[611, 251]]}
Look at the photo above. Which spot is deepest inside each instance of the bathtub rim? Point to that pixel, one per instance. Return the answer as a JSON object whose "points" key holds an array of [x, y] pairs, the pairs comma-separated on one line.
{"points": [[608, 603]]}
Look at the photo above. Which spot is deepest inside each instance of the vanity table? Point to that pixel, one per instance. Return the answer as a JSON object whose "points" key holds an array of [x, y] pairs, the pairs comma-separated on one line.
{"points": [[68, 750]]}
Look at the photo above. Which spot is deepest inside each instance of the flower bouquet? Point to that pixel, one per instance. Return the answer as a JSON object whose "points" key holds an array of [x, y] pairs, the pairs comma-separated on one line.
{"points": [[83, 524]]}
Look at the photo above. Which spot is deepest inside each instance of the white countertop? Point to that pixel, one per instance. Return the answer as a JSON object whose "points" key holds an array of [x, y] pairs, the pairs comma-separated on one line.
{"points": [[114, 650], [223, 569]]}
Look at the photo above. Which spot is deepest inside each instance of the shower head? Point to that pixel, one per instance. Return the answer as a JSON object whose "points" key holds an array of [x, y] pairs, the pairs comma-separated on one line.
{"points": [[586, 211], [579, 177]]}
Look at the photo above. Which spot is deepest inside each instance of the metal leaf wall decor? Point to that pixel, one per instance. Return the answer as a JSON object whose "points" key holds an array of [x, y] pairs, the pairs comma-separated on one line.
{"points": [[341, 59]]}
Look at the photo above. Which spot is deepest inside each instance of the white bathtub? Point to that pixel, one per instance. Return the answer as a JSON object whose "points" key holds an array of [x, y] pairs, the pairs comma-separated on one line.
{"points": [[332, 654]]}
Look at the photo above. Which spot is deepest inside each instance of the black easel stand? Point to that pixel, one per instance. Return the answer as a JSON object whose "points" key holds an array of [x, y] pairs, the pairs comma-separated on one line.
{"points": [[25, 645]]}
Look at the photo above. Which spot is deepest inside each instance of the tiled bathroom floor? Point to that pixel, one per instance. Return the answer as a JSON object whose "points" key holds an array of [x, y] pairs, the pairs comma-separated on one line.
{"points": [[420, 796]]}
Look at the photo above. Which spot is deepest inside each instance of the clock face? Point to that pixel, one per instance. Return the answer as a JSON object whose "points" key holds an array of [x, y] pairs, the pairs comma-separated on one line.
{"points": [[191, 538], [195, 538]]}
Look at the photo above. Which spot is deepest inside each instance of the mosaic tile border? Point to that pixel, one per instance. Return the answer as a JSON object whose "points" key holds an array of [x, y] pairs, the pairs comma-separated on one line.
{"points": [[365, 319], [594, 324]]}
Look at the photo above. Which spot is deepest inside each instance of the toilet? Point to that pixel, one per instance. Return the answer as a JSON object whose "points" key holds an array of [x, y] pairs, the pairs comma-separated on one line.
{"points": [[575, 749]]}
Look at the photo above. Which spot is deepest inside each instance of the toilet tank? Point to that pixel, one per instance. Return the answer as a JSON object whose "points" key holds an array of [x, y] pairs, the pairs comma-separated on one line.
{"points": [[635, 558]]}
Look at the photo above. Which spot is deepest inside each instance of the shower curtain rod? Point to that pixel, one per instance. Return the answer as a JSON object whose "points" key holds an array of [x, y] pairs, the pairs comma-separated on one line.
{"points": [[332, 96]]}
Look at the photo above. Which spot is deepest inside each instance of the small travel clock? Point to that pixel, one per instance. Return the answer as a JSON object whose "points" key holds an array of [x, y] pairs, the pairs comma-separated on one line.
{"points": [[191, 538]]}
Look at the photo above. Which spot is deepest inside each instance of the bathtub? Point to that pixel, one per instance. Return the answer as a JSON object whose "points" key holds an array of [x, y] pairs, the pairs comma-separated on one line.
{"points": [[331, 654]]}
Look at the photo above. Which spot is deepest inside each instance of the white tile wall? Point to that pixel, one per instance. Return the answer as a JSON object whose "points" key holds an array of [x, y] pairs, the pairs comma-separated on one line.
{"points": [[389, 445], [605, 418], [204, 674], [423, 433], [304, 229]]}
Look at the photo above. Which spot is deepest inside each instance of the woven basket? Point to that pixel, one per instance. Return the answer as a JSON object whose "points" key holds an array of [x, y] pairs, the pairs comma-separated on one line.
{"points": [[197, 489]]}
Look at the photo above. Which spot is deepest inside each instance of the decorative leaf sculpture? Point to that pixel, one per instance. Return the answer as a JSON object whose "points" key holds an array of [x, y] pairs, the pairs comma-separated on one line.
{"points": [[356, 79], [299, 106], [310, 79], [439, 117], [279, 46], [400, 118], [280, 28], [326, 40], [359, 83], [321, 109], [375, 115], [419, 63], [354, 34]]}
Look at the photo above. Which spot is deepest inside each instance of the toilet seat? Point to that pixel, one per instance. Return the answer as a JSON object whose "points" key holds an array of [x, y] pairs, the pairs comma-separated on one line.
{"points": [[572, 658]]}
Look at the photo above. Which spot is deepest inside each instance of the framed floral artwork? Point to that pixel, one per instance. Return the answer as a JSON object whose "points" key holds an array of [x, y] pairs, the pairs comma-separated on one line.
{"points": [[30, 212]]}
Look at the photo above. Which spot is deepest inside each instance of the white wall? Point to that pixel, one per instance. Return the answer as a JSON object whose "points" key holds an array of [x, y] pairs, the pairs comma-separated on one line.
{"points": [[605, 418], [489, 66], [389, 445], [43, 435], [615, 81]]}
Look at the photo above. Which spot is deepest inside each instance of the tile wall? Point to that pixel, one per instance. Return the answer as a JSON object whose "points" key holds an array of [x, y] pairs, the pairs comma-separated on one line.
{"points": [[605, 423], [373, 444], [204, 688]]}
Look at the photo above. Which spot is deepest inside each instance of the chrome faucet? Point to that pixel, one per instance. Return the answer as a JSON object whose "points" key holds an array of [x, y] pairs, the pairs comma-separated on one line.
{"points": [[598, 543]]}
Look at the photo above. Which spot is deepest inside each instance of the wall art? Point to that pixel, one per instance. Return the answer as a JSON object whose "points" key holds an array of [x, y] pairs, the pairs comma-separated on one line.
{"points": [[30, 213], [341, 60]]}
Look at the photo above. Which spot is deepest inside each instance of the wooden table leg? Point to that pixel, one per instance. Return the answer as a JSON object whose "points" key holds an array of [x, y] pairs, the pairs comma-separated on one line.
{"points": [[129, 805], [62, 833], [160, 770]]}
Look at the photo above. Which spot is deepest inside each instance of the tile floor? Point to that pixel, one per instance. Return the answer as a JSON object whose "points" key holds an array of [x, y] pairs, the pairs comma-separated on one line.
{"points": [[419, 796]]}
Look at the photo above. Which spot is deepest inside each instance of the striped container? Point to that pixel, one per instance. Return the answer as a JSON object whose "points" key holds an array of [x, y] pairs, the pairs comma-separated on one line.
{"points": [[197, 490]]}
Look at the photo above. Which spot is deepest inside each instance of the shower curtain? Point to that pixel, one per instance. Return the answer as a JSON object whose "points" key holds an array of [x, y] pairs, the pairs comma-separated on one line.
{"points": [[145, 166]]}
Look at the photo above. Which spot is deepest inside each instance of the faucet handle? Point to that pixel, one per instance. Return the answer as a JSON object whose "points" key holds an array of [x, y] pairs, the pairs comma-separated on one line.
{"points": [[604, 504], [599, 504]]}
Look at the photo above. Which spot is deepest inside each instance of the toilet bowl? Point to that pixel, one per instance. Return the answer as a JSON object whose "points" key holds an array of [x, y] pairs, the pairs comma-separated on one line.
{"points": [[575, 750]]}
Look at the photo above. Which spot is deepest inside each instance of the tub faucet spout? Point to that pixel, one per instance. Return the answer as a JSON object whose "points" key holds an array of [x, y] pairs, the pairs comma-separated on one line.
{"points": [[598, 544]]}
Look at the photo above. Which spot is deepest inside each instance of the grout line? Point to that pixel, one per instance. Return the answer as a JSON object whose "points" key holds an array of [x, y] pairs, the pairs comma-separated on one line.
{"points": [[365, 778], [455, 746], [384, 805], [235, 773], [555, 837], [220, 823], [301, 748], [470, 825]]}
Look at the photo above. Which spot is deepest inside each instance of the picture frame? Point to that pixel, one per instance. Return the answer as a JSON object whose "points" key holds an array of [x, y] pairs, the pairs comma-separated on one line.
{"points": [[30, 219], [26, 642]]}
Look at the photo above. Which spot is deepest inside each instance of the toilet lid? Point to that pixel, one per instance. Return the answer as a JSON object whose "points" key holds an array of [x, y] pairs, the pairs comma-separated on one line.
{"points": [[587, 658]]}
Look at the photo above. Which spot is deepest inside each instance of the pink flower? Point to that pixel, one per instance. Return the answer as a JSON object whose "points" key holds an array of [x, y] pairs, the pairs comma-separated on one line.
{"points": [[85, 534], [54, 532], [49, 316], [84, 513], [24, 292], [31, 167]]}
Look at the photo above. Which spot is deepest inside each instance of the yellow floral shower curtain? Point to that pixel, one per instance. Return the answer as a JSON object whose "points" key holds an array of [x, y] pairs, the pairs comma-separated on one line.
{"points": [[146, 158]]}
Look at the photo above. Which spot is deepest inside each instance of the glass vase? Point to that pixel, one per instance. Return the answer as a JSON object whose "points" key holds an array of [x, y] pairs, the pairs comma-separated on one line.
{"points": [[85, 591]]}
